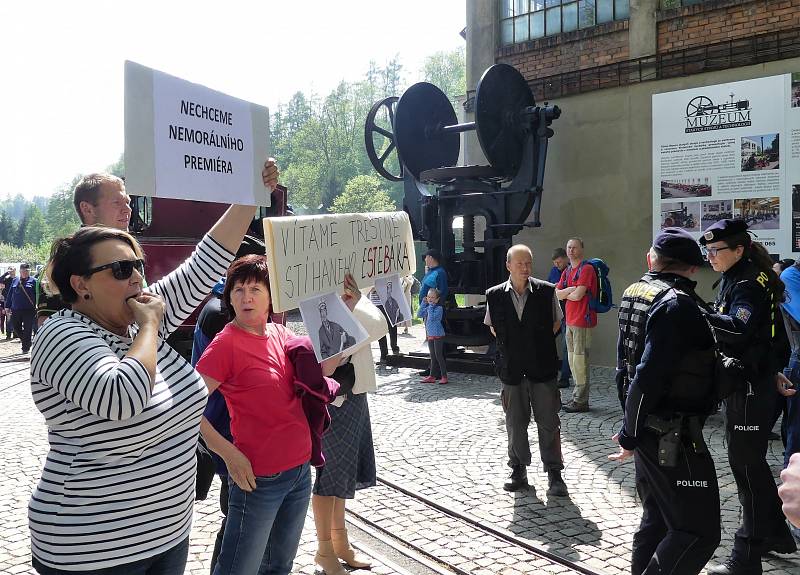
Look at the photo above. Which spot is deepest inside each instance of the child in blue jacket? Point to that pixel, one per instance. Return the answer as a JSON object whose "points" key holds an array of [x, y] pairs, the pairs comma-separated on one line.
{"points": [[433, 313]]}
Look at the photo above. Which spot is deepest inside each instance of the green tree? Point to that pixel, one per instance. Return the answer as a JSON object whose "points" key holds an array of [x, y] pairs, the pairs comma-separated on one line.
{"points": [[447, 71], [117, 168], [38, 254], [36, 228], [32, 229], [363, 194], [61, 217], [15, 207], [8, 228]]}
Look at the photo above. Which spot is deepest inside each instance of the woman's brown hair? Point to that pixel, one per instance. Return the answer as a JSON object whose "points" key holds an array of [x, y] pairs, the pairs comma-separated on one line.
{"points": [[72, 256], [250, 268]]}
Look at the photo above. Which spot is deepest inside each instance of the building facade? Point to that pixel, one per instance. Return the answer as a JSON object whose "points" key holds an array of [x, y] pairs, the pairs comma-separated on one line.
{"points": [[601, 61]]}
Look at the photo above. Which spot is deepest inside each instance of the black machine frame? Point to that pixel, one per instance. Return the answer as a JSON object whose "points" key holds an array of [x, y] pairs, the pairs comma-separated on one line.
{"points": [[513, 133]]}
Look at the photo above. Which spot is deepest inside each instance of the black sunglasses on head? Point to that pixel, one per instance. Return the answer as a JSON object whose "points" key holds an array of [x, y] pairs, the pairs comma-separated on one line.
{"points": [[121, 270]]}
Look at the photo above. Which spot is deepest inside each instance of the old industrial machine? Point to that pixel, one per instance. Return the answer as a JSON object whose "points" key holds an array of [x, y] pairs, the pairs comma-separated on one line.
{"points": [[416, 139]]}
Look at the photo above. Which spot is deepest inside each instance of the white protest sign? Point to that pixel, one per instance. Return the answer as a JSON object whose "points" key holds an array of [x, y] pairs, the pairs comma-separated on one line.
{"points": [[332, 327], [185, 141], [395, 304], [310, 255]]}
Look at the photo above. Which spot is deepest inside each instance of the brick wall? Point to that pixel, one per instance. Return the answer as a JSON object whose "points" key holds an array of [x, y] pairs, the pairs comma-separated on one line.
{"points": [[604, 44], [721, 20]]}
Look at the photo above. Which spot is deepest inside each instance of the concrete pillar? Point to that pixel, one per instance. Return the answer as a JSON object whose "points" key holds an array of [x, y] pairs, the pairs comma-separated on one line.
{"points": [[642, 33], [483, 32], [483, 39]]}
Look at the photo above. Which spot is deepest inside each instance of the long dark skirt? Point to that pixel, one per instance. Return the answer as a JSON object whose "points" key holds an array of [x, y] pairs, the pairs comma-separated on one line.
{"points": [[349, 454]]}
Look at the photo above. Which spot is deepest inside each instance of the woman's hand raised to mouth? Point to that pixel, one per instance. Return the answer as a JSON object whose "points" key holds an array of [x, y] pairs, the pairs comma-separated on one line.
{"points": [[147, 309]]}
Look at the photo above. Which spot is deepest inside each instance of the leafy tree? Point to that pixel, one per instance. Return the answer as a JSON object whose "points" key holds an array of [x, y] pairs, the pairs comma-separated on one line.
{"points": [[36, 227], [35, 254], [447, 71], [32, 229], [117, 168], [8, 229], [363, 194], [15, 207], [61, 217]]}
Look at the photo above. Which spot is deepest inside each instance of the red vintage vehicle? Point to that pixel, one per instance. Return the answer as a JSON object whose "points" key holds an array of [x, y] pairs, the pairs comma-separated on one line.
{"points": [[169, 230]]}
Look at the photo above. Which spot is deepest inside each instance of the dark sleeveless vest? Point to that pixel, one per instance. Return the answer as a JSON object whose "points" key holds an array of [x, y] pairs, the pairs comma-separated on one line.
{"points": [[525, 348]]}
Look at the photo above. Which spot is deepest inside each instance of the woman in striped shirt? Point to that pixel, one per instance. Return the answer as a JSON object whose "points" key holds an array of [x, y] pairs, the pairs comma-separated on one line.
{"points": [[122, 408]]}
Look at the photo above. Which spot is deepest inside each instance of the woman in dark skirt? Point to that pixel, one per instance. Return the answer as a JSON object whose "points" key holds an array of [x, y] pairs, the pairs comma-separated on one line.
{"points": [[348, 450]]}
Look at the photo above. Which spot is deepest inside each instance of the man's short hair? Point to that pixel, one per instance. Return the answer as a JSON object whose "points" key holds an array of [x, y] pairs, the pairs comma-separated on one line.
{"points": [[88, 190], [576, 239], [518, 248], [559, 253]]}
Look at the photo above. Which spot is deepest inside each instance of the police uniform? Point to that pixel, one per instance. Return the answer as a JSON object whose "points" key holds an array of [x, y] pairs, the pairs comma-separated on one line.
{"points": [[665, 362], [744, 323]]}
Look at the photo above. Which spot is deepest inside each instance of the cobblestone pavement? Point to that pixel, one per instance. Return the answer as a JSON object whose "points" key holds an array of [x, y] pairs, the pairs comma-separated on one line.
{"points": [[444, 442]]}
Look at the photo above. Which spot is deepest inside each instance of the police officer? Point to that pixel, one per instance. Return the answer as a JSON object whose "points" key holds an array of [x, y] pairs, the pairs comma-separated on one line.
{"points": [[745, 324], [665, 365]]}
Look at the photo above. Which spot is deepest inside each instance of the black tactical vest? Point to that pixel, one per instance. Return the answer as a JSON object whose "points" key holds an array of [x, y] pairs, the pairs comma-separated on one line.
{"points": [[691, 387]]}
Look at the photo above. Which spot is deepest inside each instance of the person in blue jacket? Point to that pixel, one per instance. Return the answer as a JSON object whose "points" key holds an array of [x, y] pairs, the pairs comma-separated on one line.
{"points": [[435, 277], [21, 301], [432, 312]]}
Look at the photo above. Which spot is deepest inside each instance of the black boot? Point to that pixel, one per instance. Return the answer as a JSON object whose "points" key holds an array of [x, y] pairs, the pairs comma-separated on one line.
{"points": [[783, 543], [736, 565], [518, 479], [557, 486]]}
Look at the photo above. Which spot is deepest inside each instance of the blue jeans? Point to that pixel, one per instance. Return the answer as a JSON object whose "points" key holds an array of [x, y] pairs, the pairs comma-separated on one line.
{"points": [[791, 417], [169, 562], [263, 527]]}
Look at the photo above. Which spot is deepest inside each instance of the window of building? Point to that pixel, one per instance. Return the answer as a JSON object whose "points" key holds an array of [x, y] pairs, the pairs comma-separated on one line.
{"points": [[522, 20], [667, 4]]}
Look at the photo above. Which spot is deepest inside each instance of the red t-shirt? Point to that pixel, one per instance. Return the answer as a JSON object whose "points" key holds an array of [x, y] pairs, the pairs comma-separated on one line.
{"points": [[578, 312], [257, 381]]}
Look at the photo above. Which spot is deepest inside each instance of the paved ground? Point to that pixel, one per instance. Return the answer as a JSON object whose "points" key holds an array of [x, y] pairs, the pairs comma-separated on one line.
{"points": [[445, 442]]}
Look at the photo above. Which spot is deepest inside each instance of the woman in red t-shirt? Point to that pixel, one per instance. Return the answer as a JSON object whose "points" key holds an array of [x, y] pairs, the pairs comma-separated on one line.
{"points": [[268, 462]]}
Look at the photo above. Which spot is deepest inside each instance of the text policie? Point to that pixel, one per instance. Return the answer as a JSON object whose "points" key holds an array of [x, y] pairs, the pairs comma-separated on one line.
{"points": [[380, 251], [202, 137]]}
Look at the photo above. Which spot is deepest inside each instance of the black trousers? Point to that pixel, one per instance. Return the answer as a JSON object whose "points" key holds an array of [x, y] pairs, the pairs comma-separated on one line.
{"points": [[23, 320], [680, 527], [223, 506], [392, 335], [747, 426]]}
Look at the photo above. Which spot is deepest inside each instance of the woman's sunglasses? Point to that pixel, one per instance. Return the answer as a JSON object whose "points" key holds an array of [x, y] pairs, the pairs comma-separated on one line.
{"points": [[121, 270]]}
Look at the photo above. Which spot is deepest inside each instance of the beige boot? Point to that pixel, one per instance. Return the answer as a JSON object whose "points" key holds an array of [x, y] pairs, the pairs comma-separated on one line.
{"points": [[341, 545], [326, 558]]}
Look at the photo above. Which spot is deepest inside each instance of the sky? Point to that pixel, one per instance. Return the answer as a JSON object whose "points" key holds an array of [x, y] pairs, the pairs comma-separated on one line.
{"points": [[61, 64]]}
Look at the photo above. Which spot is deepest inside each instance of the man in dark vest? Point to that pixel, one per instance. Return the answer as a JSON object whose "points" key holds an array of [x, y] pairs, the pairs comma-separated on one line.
{"points": [[665, 368], [524, 315]]}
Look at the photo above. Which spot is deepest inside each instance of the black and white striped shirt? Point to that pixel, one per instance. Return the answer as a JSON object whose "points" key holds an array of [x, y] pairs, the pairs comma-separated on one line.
{"points": [[118, 482]]}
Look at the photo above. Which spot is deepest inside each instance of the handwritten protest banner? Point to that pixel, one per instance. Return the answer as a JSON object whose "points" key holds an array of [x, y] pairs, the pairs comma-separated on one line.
{"points": [[185, 141], [310, 255]]}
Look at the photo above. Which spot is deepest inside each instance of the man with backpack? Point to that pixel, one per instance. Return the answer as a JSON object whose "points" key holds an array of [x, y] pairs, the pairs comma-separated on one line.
{"points": [[577, 287]]}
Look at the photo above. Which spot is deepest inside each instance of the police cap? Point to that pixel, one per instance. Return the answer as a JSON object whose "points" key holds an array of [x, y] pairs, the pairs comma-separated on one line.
{"points": [[677, 244], [723, 229]]}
